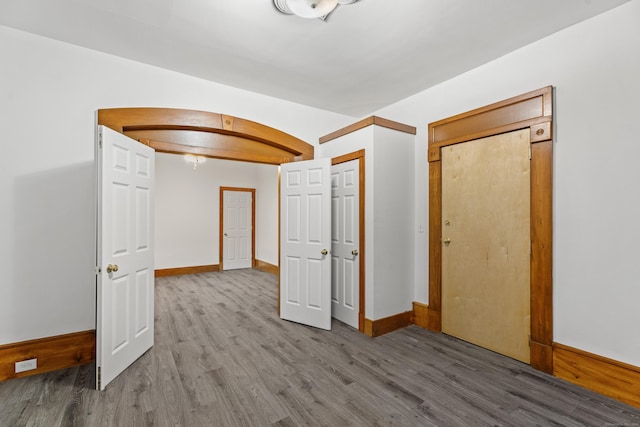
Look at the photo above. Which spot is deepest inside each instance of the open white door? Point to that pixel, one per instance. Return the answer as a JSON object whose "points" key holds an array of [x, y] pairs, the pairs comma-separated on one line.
{"points": [[125, 273], [345, 241], [305, 240]]}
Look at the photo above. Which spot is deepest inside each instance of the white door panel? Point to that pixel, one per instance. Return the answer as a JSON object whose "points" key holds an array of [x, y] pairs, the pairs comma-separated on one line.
{"points": [[125, 311], [345, 238], [238, 229], [305, 237]]}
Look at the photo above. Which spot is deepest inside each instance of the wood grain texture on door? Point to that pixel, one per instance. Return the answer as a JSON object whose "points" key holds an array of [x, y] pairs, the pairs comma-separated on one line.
{"points": [[486, 242]]}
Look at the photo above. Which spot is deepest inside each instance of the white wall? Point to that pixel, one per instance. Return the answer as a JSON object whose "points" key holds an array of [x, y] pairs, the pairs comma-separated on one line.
{"points": [[49, 93], [595, 68], [267, 214], [393, 221], [187, 208], [388, 216]]}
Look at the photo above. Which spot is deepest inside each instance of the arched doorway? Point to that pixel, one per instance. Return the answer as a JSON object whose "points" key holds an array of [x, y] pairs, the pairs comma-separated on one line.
{"points": [[178, 131]]}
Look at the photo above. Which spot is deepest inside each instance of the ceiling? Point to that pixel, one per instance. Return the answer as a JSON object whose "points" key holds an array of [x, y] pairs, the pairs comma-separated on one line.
{"points": [[365, 56]]}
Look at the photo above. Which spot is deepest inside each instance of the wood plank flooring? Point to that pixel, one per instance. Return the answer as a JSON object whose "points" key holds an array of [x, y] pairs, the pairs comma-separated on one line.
{"points": [[222, 357]]}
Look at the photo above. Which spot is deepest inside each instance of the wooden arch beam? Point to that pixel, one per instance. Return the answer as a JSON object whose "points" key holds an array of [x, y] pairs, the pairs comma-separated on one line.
{"points": [[172, 130]]}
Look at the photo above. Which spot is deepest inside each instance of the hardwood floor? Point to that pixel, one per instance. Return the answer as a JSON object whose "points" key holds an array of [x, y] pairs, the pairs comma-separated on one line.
{"points": [[222, 357]]}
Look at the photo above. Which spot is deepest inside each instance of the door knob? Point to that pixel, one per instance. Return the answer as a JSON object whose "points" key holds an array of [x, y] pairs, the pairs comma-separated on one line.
{"points": [[226, 235], [324, 252], [354, 252], [111, 268], [446, 241]]}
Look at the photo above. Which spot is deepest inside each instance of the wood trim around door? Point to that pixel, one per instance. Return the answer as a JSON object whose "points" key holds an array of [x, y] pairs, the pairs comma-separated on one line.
{"points": [[253, 223], [358, 155], [532, 110]]}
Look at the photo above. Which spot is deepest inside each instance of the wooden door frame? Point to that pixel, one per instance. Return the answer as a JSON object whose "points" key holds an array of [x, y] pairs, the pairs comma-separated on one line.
{"points": [[533, 111], [359, 156], [253, 223]]}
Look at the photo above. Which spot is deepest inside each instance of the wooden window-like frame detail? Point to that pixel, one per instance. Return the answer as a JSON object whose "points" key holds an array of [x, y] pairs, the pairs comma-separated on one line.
{"points": [[203, 133], [358, 155], [253, 223], [532, 110]]}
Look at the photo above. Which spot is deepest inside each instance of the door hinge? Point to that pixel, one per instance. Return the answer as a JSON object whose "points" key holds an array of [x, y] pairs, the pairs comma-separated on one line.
{"points": [[100, 139], [529, 151], [99, 377]]}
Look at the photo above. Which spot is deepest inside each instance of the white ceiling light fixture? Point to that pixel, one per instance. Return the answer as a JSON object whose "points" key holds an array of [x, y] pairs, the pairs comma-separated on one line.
{"points": [[195, 160], [310, 9]]}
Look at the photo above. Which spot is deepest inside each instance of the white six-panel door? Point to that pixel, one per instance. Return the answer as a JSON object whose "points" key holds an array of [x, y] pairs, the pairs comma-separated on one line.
{"points": [[125, 279], [237, 223], [305, 241], [345, 238]]}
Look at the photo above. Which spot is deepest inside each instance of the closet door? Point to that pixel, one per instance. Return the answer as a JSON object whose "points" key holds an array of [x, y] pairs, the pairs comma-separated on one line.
{"points": [[345, 242]]}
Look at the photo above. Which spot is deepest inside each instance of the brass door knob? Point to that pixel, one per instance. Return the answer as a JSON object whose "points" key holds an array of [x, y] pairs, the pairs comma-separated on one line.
{"points": [[111, 268], [446, 241], [354, 252], [324, 252]]}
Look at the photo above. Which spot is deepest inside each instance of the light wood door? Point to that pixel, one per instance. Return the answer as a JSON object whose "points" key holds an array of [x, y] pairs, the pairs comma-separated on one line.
{"points": [[125, 310], [486, 243], [237, 229], [345, 240], [305, 241]]}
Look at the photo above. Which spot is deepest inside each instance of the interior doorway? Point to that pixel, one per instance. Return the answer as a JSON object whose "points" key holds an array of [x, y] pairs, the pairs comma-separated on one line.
{"points": [[531, 112], [237, 228], [177, 131]]}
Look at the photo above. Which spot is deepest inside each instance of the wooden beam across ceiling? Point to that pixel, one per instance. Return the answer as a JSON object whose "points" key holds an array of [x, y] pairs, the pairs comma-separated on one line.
{"points": [[203, 133]]}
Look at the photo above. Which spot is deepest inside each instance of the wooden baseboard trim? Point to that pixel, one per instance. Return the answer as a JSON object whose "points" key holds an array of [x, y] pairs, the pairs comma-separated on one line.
{"points": [[53, 353], [541, 357], [265, 266], [164, 272], [420, 314], [600, 374], [375, 328]]}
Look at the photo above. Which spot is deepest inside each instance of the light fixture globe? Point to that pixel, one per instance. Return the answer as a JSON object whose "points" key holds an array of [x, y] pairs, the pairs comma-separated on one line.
{"points": [[311, 8], [281, 5]]}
